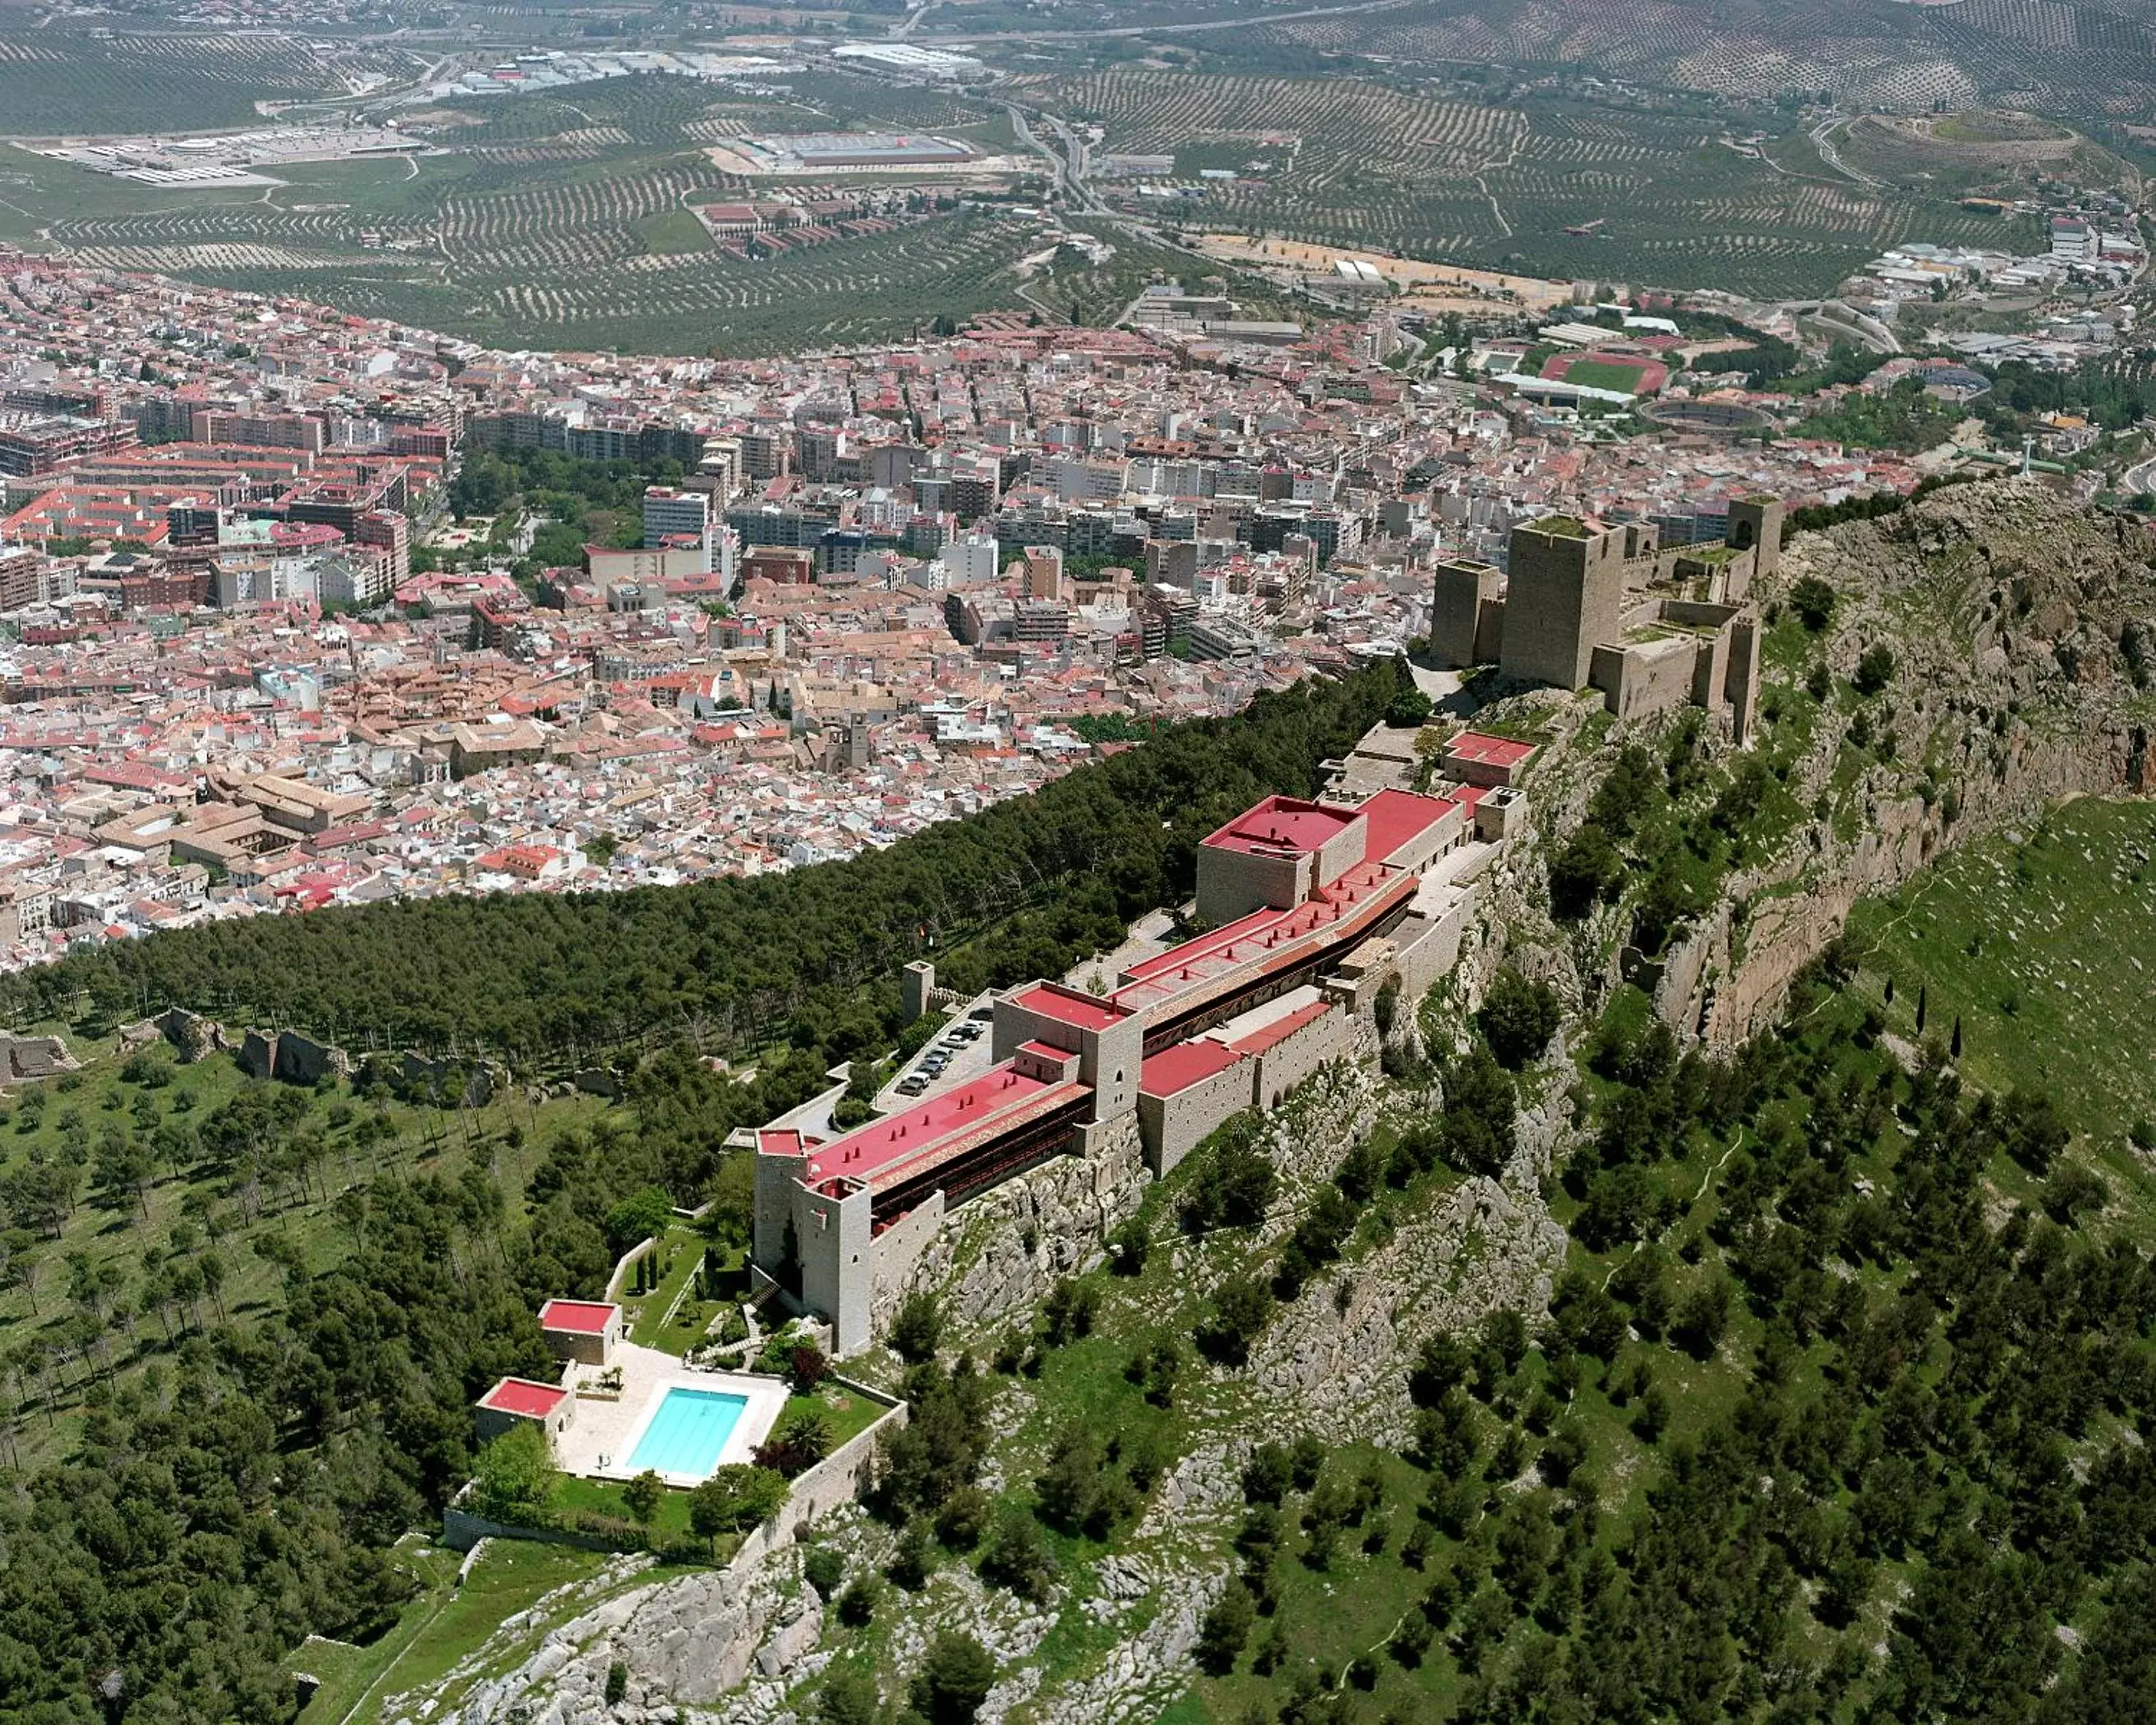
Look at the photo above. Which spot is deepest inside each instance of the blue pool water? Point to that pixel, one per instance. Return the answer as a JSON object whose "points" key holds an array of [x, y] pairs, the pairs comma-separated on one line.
{"points": [[688, 1431]]}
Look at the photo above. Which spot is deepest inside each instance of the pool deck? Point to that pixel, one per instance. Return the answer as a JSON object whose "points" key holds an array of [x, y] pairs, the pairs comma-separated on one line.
{"points": [[600, 1441]]}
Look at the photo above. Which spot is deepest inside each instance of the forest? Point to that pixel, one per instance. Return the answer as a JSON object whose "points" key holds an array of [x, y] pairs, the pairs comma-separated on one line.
{"points": [[730, 966], [238, 1485]]}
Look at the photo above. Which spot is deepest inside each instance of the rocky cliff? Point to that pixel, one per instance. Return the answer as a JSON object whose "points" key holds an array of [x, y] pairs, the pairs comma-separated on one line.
{"points": [[2023, 628]]}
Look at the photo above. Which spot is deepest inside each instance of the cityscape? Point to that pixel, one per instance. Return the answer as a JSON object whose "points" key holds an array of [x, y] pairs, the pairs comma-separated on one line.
{"points": [[1076, 863]]}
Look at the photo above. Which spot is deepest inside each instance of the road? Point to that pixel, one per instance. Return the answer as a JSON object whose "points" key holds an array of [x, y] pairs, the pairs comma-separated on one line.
{"points": [[1067, 161], [1822, 136]]}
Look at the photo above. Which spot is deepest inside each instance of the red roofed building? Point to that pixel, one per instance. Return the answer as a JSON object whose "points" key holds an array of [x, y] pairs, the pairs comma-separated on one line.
{"points": [[517, 1401], [585, 1331]]}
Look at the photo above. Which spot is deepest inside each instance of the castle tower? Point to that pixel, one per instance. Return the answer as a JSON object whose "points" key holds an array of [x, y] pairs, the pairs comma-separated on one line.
{"points": [[1755, 524], [1563, 598], [1460, 591]]}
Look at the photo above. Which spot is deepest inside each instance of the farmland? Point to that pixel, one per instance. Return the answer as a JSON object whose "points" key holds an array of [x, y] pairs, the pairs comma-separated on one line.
{"points": [[56, 80], [562, 222], [2091, 61], [1359, 163]]}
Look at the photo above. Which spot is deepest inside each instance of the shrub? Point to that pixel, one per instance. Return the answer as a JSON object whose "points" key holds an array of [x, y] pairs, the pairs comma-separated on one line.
{"points": [[1518, 1018], [1875, 670], [797, 1446], [917, 1328], [1018, 1557], [823, 1569], [847, 1698], [808, 1365], [857, 1605], [617, 1683], [953, 1682]]}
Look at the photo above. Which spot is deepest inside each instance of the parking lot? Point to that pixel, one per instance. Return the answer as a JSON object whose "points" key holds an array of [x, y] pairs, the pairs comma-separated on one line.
{"points": [[958, 1052]]}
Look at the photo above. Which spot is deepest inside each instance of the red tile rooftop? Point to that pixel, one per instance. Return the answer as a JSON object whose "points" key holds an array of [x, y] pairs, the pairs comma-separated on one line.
{"points": [[521, 1395], [1396, 819], [587, 1317], [860, 1154], [1174, 1070], [1066, 1005]]}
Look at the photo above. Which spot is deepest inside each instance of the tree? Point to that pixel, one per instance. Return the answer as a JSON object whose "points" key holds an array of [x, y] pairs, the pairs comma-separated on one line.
{"points": [[1875, 670], [1518, 1018], [1241, 1309], [1224, 1630], [1813, 601], [1018, 1557], [516, 1476], [953, 1683], [643, 1495], [847, 1698], [735, 1499], [1586, 872], [1408, 708], [644, 1216], [917, 1328]]}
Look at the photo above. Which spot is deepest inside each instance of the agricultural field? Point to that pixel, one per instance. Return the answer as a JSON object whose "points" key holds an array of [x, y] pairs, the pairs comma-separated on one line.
{"points": [[1977, 150], [2083, 58], [559, 222], [60, 80], [1360, 164]]}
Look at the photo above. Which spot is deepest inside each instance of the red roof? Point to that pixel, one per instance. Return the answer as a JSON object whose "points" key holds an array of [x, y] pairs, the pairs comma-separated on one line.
{"points": [[913, 1131], [522, 1396], [1176, 1069], [1281, 823], [586, 1317], [1498, 751], [1397, 818], [1066, 1005]]}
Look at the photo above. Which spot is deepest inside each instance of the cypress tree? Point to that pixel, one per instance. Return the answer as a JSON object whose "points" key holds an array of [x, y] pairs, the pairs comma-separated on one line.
{"points": [[1955, 1048], [1923, 1004]]}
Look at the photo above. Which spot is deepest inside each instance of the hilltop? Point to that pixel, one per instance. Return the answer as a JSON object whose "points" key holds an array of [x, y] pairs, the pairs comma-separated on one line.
{"points": [[1667, 1326]]}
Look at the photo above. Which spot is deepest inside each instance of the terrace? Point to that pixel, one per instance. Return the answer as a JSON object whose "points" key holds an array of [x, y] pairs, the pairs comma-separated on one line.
{"points": [[601, 1442], [937, 1129]]}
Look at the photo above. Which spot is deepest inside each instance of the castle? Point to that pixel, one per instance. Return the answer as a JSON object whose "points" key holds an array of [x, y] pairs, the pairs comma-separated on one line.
{"points": [[1586, 605], [1313, 909]]}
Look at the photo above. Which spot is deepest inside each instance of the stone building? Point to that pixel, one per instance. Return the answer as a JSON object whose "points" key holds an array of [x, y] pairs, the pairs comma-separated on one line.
{"points": [[1583, 605], [1315, 907]]}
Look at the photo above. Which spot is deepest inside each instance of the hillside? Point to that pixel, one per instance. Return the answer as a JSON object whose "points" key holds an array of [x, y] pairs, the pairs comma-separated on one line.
{"points": [[1572, 1368], [1672, 1327]]}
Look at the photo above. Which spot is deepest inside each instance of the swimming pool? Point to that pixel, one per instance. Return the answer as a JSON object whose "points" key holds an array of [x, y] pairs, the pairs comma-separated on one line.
{"points": [[688, 1433]]}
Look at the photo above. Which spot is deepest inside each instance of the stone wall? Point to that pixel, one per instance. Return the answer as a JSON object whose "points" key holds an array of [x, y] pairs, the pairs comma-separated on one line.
{"points": [[893, 1254], [1005, 1248], [191, 1033]]}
